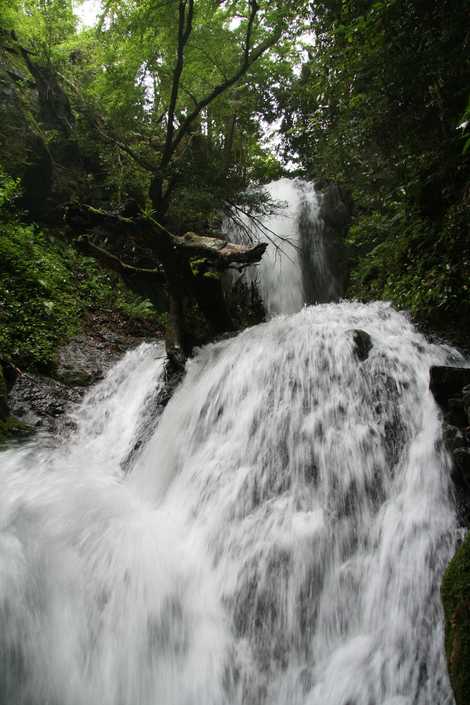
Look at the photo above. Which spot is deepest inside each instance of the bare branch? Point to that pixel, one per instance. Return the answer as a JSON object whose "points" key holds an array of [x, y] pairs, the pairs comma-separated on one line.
{"points": [[112, 261], [185, 25], [99, 124], [216, 249], [237, 214], [110, 139], [249, 31]]}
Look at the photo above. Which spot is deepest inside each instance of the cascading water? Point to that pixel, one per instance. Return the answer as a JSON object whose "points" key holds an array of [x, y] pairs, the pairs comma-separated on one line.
{"points": [[277, 540], [298, 266]]}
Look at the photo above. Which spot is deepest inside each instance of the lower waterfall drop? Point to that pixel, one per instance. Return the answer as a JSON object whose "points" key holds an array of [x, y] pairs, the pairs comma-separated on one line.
{"points": [[279, 540]]}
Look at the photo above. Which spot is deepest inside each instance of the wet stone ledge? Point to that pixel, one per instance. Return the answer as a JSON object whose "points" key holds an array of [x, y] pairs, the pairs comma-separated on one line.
{"points": [[451, 389]]}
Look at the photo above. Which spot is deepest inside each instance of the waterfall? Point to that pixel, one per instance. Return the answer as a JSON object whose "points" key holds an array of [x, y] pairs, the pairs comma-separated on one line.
{"points": [[300, 265], [278, 539]]}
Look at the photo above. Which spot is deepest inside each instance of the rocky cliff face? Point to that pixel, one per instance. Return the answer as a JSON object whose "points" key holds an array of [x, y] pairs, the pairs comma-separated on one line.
{"points": [[37, 402], [335, 213], [30, 95], [451, 388], [10, 426]]}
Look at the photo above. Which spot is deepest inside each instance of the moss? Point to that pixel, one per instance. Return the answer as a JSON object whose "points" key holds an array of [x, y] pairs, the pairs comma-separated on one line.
{"points": [[12, 428], [3, 396], [456, 599], [46, 287]]}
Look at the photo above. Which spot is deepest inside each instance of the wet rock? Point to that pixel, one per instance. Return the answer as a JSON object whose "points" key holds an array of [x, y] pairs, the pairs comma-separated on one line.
{"points": [[448, 382], [336, 206], [466, 401], [10, 374], [82, 361], [324, 238], [362, 343], [451, 391], [40, 401], [455, 593], [455, 414], [461, 457], [43, 402], [4, 410], [173, 374], [450, 386], [453, 437], [12, 429]]}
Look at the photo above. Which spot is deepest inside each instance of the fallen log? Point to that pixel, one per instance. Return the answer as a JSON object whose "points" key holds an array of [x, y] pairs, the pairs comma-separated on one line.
{"points": [[223, 252], [185, 264]]}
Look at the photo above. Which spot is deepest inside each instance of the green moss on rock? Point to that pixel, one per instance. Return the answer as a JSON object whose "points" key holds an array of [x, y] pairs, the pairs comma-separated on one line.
{"points": [[3, 396], [456, 599], [12, 428]]}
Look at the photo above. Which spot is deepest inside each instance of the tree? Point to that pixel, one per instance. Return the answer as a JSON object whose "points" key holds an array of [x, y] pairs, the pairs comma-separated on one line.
{"points": [[163, 95], [182, 115], [377, 107]]}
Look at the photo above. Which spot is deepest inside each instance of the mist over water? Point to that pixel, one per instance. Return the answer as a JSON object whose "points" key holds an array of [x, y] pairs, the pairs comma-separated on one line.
{"points": [[277, 540]]}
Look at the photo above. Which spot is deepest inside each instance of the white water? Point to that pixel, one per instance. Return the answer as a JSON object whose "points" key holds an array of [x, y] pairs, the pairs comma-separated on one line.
{"points": [[296, 267], [278, 541]]}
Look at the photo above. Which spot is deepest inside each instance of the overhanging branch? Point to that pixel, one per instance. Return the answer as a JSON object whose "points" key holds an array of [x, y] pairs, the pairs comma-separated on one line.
{"points": [[220, 251], [112, 261]]}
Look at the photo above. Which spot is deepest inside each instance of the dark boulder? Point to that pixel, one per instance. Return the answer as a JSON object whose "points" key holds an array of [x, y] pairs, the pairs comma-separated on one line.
{"points": [[4, 411], [362, 344], [447, 383], [323, 252], [336, 207], [466, 401], [450, 386], [11, 428], [461, 457], [455, 593], [453, 437], [41, 401]]}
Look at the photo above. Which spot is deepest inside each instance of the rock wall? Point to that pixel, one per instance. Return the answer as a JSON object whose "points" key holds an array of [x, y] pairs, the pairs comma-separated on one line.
{"points": [[40, 403], [451, 388]]}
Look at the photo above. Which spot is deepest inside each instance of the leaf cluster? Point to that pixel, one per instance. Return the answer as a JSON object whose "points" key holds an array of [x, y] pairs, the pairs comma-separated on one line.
{"points": [[46, 287]]}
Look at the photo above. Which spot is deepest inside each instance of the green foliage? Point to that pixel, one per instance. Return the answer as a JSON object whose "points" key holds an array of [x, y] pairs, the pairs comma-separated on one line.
{"points": [[39, 305], [134, 306], [399, 256], [44, 24], [377, 108], [106, 147], [46, 287], [125, 72], [9, 190]]}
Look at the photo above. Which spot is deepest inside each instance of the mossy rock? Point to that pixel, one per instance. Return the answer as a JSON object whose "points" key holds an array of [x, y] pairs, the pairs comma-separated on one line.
{"points": [[4, 413], [12, 428], [456, 600]]}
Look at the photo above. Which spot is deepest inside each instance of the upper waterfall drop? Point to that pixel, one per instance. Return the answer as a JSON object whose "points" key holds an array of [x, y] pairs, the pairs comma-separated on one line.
{"points": [[304, 262]]}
